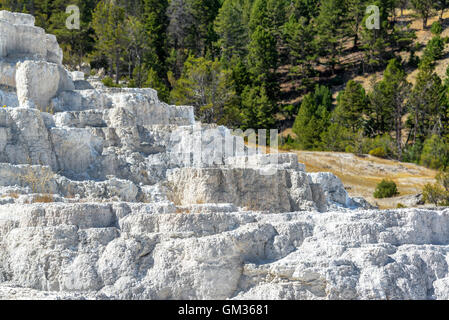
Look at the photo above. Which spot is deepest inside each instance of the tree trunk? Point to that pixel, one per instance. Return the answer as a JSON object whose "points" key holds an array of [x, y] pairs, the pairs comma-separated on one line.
{"points": [[110, 72], [415, 124], [117, 68], [399, 133], [356, 40]]}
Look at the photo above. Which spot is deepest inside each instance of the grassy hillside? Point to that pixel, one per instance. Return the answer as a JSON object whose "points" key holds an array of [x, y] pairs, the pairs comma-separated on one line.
{"points": [[361, 174]]}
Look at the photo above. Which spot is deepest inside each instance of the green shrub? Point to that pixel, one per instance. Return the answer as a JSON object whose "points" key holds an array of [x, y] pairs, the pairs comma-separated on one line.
{"points": [[386, 189], [288, 143], [414, 59], [412, 153], [438, 194], [435, 153], [378, 152], [109, 82], [382, 146], [435, 194], [349, 149], [436, 28], [400, 206], [443, 179]]}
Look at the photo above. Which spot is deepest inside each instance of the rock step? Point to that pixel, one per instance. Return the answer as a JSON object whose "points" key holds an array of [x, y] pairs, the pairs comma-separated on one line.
{"points": [[124, 107], [284, 190], [81, 215]]}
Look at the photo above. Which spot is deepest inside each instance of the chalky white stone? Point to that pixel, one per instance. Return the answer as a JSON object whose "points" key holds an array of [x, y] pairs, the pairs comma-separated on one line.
{"points": [[134, 206]]}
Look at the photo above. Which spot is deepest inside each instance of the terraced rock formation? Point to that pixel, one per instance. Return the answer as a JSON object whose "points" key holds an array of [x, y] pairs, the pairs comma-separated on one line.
{"points": [[112, 194]]}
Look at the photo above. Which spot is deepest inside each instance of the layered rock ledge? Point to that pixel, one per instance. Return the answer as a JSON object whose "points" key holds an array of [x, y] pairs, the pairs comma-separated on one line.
{"points": [[150, 251], [112, 194]]}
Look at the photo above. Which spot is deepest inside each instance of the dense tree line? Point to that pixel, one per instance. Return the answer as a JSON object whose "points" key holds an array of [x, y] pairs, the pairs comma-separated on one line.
{"points": [[395, 119], [229, 58]]}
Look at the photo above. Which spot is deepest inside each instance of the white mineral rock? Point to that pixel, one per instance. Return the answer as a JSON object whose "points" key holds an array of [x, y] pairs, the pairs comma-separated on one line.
{"points": [[109, 193]]}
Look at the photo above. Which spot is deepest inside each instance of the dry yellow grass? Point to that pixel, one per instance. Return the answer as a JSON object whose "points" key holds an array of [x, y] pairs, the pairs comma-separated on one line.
{"points": [[45, 198], [14, 195], [360, 175]]}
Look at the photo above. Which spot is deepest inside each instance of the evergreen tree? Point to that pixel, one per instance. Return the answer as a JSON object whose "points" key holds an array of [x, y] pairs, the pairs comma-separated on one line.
{"points": [[153, 81], [355, 14], [436, 28], [109, 25], [442, 5], [192, 24], [424, 8], [181, 26], [313, 118], [351, 106], [435, 153], [376, 42], [240, 75], [269, 14], [156, 24], [257, 109], [338, 138], [329, 30], [262, 61], [302, 48], [433, 51], [208, 87], [307, 9], [388, 101], [402, 4], [136, 47], [204, 13], [427, 105], [231, 29]]}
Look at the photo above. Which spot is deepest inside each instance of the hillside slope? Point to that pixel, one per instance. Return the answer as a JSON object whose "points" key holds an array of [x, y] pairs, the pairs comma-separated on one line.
{"points": [[360, 175]]}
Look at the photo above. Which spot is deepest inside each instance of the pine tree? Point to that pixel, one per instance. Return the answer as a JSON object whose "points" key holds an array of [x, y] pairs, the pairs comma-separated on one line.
{"points": [[231, 29], [442, 5], [307, 9], [313, 118], [262, 61], [269, 14], [435, 153], [388, 101], [427, 105], [257, 109], [153, 81], [240, 75], [351, 106], [109, 25], [192, 24], [204, 13], [355, 13], [302, 48], [376, 42], [433, 51], [181, 26], [205, 85], [424, 8], [402, 4], [330, 29], [156, 24]]}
